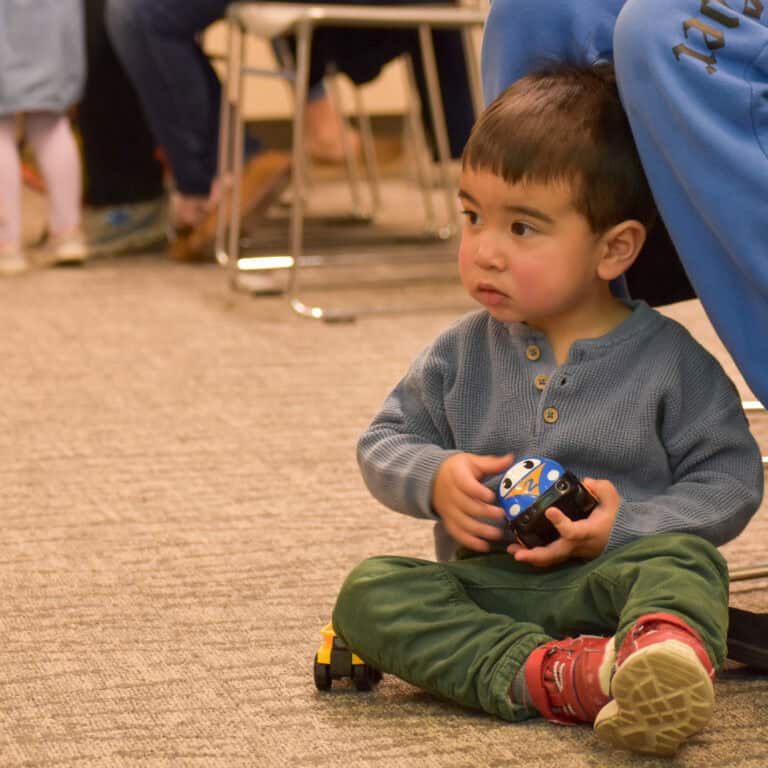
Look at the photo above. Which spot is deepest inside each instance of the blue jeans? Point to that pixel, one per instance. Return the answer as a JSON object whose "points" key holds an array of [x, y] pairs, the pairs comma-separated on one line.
{"points": [[179, 90], [693, 78]]}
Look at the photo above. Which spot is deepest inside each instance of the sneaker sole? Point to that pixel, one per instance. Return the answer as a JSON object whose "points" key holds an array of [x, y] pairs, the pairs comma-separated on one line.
{"points": [[662, 695], [69, 260], [132, 241]]}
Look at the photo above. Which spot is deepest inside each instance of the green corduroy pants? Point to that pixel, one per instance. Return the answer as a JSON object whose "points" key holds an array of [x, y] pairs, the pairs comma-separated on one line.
{"points": [[463, 629]]}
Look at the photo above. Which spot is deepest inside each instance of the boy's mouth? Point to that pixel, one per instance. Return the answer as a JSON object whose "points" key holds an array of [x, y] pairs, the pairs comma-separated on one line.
{"points": [[489, 294]]}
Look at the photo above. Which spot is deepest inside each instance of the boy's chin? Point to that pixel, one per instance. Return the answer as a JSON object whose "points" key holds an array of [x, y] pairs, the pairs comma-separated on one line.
{"points": [[503, 313]]}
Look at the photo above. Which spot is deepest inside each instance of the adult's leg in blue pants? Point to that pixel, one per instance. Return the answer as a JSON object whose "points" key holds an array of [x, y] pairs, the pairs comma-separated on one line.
{"points": [[178, 88], [693, 77], [695, 86]]}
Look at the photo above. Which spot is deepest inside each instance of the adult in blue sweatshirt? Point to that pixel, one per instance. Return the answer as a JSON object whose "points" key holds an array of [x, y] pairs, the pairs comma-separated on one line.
{"points": [[693, 77]]}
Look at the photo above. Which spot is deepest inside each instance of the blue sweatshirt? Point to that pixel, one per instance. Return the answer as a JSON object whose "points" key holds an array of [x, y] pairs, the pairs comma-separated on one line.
{"points": [[644, 406]]}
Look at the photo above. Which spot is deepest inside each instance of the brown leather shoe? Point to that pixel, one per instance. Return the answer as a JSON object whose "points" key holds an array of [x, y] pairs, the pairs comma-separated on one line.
{"points": [[265, 176]]}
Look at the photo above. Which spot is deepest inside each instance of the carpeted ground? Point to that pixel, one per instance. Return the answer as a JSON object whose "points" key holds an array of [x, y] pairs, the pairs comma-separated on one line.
{"points": [[180, 504]]}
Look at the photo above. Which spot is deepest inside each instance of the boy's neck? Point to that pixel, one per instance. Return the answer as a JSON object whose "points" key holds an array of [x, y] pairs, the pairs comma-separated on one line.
{"points": [[592, 324]]}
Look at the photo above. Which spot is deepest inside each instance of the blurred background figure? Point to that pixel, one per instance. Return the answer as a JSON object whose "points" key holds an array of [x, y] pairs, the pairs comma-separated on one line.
{"points": [[125, 197], [158, 45], [42, 71]]}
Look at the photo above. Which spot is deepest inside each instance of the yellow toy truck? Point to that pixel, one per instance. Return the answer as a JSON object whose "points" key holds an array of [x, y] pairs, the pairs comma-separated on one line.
{"points": [[334, 661]]}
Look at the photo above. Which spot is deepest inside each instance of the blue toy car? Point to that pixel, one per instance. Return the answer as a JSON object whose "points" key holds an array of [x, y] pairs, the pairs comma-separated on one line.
{"points": [[533, 485], [525, 481]]}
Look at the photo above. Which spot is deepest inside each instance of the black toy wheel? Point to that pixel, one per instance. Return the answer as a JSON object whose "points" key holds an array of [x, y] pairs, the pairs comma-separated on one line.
{"points": [[365, 677], [322, 676], [361, 677]]}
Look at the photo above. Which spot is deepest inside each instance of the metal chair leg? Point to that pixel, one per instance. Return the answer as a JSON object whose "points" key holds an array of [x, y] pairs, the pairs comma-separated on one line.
{"points": [[350, 157], [225, 148], [438, 123]]}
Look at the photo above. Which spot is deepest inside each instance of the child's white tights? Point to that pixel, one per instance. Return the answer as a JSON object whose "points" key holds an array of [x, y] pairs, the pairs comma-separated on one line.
{"points": [[50, 136]]}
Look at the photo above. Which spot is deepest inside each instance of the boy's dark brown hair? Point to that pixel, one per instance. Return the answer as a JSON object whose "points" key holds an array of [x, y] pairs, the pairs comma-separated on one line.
{"points": [[566, 123]]}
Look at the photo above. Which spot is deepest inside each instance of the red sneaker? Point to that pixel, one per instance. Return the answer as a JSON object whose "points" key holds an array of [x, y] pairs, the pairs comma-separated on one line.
{"points": [[569, 680], [662, 690]]}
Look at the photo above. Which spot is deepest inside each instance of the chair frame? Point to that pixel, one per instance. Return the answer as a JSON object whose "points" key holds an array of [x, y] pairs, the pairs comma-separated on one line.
{"points": [[244, 18]]}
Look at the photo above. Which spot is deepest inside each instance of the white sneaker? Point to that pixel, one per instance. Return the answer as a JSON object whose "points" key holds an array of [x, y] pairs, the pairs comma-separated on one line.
{"points": [[68, 249], [12, 261]]}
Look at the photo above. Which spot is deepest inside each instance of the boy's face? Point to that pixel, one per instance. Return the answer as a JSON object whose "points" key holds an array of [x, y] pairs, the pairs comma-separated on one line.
{"points": [[526, 254]]}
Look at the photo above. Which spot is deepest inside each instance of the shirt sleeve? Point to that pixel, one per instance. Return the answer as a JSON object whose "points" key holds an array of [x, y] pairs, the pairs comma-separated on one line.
{"points": [[715, 463], [409, 438]]}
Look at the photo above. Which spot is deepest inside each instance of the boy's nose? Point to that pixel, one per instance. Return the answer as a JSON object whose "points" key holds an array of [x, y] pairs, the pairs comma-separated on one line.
{"points": [[488, 255]]}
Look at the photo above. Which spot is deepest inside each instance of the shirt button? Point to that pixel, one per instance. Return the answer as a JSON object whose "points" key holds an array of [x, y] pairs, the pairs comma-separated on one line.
{"points": [[533, 352], [551, 415], [540, 382]]}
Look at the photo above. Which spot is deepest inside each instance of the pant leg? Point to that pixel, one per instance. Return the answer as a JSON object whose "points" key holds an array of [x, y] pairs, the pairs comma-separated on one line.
{"points": [[118, 147], [522, 35], [418, 620], [462, 630], [156, 41], [454, 87], [676, 573], [694, 81]]}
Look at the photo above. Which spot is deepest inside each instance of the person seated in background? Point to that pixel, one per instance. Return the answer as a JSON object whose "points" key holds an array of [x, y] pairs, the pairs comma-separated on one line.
{"points": [[621, 621], [42, 70], [125, 191], [158, 44]]}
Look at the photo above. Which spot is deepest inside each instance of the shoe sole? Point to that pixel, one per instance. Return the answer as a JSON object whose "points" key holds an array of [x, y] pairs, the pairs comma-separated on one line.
{"points": [[69, 260], [142, 238], [662, 695]]}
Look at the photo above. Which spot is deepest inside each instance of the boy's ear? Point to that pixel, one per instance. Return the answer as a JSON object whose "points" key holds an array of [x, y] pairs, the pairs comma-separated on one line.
{"points": [[621, 245]]}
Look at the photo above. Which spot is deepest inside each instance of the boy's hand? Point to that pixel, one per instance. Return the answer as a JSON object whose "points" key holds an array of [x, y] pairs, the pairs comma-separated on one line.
{"points": [[464, 503], [581, 538]]}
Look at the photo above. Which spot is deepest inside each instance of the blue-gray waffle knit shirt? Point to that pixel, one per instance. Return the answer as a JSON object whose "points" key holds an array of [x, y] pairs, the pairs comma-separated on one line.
{"points": [[645, 406]]}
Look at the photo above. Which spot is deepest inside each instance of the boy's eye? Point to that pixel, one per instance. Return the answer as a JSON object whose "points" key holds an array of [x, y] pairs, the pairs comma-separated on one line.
{"points": [[521, 228], [472, 217]]}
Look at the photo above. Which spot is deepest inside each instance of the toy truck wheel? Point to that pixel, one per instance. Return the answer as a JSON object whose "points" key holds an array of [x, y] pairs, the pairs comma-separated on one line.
{"points": [[322, 676], [361, 677]]}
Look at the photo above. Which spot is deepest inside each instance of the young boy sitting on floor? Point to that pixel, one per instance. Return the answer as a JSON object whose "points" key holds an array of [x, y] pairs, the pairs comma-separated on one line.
{"points": [[622, 621]]}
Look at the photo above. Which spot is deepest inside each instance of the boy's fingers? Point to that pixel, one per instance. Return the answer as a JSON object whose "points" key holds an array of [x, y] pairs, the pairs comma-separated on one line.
{"points": [[487, 495], [489, 512], [562, 522], [480, 528], [602, 490], [470, 503], [472, 542], [492, 465], [471, 487], [556, 552]]}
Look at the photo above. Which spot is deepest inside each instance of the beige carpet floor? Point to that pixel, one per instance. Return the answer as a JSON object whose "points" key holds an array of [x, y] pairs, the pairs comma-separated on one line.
{"points": [[180, 503]]}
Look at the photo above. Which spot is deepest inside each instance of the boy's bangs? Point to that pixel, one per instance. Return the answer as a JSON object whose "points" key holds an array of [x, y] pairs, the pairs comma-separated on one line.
{"points": [[540, 146]]}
